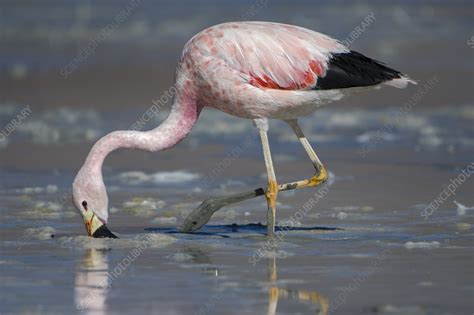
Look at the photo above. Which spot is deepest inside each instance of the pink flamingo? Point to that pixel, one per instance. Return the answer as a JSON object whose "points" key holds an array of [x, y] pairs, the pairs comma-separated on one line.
{"points": [[251, 70]]}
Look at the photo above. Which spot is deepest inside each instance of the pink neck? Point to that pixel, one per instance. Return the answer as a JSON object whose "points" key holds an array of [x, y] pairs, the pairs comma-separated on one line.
{"points": [[184, 114]]}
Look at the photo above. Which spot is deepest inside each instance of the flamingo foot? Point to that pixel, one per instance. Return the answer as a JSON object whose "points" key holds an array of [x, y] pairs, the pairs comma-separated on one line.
{"points": [[199, 216], [203, 213]]}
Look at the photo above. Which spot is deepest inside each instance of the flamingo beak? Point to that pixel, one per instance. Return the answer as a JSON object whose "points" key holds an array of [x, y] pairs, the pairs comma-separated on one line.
{"points": [[95, 227], [103, 232]]}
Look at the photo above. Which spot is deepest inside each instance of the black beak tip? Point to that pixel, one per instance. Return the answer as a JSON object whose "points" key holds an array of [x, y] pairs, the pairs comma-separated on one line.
{"points": [[103, 232]]}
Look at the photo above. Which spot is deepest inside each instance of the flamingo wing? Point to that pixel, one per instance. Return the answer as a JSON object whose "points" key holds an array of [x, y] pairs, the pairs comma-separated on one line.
{"points": [[286, 57]]}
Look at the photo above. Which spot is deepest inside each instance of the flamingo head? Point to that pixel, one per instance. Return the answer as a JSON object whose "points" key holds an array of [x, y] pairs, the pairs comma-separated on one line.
{"points": [[89, 197]]}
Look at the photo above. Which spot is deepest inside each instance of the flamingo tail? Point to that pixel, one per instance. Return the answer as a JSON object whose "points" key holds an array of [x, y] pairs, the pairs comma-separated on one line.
{"points": [[352, 69]]}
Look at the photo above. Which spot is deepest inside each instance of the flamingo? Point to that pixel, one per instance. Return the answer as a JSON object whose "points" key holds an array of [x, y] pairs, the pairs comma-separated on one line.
{"points": [[251, 70]]}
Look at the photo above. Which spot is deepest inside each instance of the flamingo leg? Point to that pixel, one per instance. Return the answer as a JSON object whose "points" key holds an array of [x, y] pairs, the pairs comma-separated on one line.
{"points": [[202, 214], [272, 186], [321, 174]]}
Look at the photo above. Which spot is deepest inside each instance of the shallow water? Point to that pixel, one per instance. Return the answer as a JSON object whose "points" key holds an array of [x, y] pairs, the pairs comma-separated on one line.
{"points": [[354, 252], [365, 247]]}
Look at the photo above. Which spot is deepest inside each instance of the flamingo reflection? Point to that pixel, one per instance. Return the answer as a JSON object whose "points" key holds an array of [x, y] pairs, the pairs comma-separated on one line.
{"points": [[275, 293], [90, 290]]}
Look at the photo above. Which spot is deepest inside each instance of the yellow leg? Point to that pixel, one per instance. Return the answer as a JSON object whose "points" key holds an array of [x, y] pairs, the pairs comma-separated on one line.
{"points": [[319, 178]]}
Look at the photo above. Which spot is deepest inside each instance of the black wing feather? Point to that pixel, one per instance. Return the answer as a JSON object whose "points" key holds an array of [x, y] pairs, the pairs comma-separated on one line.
{"points": [[353, 69]]}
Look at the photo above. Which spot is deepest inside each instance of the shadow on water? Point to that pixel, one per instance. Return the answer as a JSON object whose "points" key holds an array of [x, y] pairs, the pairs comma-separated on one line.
{"points": [[255, 228]]}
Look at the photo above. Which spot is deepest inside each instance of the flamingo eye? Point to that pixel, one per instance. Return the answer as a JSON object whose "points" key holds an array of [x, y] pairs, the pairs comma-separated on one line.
{"points": [[84, 204]]}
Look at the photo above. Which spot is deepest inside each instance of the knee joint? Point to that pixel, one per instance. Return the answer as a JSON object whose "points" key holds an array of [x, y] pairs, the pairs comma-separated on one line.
{"points": [[272, 190], [320, 177]]}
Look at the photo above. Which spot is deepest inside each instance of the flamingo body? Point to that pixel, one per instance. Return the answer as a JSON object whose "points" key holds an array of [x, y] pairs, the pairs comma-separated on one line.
{"points": [[254, 70], [271, 70]]}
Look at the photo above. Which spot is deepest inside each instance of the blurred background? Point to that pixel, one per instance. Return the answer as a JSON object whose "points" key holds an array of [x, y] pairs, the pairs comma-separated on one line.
{"points": [[72, 71], [84, 71]]}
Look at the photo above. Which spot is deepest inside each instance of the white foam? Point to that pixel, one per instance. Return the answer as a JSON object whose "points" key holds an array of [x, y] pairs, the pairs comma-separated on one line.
{"points": [[346, 119], [463, 226], [342, 215], [63, 124], [226, 214], [174, 177], [40, 233], [289, 223], [400, 83], [113, 210], [375, 135], [462, 209], [49, 205], [8, 109], [346, 208], [180, 257], [400, 310], [431, 141], [143, 206], [47, 210], [164, 220], [40, 132], [18, 71], [230, 184], [425, 284], [139, 177], [133, 177], [49, 189], [428, 245], [353, 208], [280, 254], [331, 178], [4, 143]]}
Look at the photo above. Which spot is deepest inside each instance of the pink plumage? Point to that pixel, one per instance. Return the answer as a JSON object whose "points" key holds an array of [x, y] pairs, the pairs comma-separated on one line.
{"points": [[270, 53], [242, 68]]}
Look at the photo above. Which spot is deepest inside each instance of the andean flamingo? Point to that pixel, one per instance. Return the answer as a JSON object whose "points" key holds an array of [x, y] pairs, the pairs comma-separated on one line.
{"points": [[251, 70]]}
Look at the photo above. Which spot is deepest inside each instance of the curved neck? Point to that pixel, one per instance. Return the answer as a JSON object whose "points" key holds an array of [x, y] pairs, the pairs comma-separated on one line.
{"points": [[184, 114]]}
